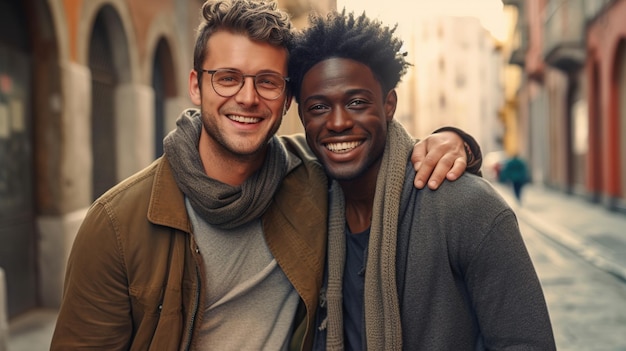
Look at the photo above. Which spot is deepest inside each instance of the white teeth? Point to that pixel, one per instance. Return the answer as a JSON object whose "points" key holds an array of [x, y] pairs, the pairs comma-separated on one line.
{"points": [[343, 147], [242, 119]]}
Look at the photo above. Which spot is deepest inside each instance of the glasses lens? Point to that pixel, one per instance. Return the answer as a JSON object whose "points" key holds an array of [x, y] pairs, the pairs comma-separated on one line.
{"points": [[269, 85], [227, 83]]}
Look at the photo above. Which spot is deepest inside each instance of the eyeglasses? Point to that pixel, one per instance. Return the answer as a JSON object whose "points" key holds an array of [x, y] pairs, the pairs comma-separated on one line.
{"points": [[228, 82]]}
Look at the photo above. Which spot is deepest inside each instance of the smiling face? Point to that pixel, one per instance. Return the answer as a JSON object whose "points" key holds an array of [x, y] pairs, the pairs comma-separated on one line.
{"points": [[345, 117], [238, 126]]}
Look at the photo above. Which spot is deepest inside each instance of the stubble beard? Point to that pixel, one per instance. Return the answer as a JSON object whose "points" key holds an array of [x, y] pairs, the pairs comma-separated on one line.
{"points": [[241, 150]]}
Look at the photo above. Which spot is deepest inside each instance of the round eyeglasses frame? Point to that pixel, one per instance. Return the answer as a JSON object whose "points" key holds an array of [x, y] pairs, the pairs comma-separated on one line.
{"points": [[233, 81]]}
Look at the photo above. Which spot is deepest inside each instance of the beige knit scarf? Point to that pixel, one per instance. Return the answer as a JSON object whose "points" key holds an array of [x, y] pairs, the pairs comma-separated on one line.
{"points": [[382, 313]]}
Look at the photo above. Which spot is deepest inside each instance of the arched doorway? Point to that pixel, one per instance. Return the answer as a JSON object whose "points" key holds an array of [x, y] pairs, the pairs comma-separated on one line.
{"points": [[17, 199], [110, 68], [104, 80], [163, 83]]}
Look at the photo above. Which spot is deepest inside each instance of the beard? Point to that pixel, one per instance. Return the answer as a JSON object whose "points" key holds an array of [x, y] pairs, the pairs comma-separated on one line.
{"points": [[242, 147]]}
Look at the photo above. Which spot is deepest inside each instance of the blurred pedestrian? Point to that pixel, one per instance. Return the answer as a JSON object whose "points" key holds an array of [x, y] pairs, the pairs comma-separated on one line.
{"points": [[515, 171]]}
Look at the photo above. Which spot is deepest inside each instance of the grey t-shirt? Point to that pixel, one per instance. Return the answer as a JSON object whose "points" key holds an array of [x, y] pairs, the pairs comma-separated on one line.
{"points": [[251, 303]]}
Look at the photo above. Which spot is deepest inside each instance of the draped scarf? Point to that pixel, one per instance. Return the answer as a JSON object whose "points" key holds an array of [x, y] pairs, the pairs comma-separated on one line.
{"points": [[382, 312], [220, 204]]}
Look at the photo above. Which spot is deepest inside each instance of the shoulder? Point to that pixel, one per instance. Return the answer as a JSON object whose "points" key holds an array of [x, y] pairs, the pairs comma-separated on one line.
{"points": [[311, 171], [121, 222], [138, 183], [459, 215], [296, 144], [469, 199], [148, 195], [469, 189]]}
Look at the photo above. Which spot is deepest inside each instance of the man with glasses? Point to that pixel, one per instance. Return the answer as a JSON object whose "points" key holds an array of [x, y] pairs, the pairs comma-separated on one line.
{"points": [[220, 243]]}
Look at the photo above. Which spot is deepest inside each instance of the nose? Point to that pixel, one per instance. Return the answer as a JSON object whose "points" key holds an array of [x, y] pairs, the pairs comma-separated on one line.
{"points": [[339, 120], [247, 95]]}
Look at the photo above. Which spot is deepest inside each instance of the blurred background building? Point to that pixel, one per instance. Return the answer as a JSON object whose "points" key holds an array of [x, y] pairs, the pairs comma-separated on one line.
{"points": [[568, 113], [455, 79], [88, 89], [551, 89]]}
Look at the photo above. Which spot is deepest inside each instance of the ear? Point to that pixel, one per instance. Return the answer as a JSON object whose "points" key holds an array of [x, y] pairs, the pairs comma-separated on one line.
{"points": [[391, 101], [195, 92]]}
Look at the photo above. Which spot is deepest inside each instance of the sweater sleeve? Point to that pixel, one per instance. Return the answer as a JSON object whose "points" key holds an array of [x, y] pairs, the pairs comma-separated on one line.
{"points": [[506, 292], [464, 274]]}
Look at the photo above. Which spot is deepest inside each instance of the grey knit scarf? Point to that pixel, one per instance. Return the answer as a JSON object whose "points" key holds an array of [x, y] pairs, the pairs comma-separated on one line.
{"points": [[220, 204], [382, 312]]}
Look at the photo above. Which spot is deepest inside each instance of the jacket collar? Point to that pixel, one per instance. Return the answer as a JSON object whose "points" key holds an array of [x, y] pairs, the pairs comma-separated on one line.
{"points": [[167, 202]]}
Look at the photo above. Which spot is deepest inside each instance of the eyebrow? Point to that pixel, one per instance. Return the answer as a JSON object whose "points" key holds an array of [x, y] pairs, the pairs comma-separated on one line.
{"points": [[258, 72], [348, 92]]}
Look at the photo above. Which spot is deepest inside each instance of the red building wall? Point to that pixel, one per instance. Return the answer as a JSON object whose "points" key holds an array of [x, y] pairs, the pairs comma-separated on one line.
{"points": [[604, 36]]}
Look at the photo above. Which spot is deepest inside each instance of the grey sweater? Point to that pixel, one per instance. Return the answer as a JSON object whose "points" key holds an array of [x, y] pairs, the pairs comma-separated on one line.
{"points": [[465, 279]]}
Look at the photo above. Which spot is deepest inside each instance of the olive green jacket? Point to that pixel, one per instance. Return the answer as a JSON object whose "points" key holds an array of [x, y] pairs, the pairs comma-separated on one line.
{"points": [[134, 276]]}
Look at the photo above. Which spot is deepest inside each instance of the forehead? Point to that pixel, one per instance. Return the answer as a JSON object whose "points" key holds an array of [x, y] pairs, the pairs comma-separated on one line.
{"points": [[238, 51], [336, 75]]}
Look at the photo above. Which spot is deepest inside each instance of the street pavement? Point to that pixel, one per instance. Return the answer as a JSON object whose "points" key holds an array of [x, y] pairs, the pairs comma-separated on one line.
{"points": [[588, 230], [587, 305]]}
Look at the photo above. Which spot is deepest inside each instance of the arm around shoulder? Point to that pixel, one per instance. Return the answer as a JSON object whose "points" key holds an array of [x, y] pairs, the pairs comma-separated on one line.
{"points": [[472, 149]]}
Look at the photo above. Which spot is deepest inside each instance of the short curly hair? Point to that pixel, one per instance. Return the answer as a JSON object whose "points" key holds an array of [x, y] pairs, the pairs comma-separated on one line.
{"points": [[343, 35], [260, 20]]}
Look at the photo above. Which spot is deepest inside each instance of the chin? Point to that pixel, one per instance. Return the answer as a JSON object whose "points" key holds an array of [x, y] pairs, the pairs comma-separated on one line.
{"points": [[343, 175]]}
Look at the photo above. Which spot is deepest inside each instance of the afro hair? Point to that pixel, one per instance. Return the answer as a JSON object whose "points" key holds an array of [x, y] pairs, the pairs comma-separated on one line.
{"points": [[343, 35]]}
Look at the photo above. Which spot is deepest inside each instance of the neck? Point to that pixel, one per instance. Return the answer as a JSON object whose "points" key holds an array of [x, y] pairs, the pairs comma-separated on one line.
{"points": [[224, 166], [359, 199]]}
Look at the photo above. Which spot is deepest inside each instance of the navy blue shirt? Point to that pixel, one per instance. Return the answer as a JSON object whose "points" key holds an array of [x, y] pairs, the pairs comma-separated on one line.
{"points": [[353, 295], [354, 289]]}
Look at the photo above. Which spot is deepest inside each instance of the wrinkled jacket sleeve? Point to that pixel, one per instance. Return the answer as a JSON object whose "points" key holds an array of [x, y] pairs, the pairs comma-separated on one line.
{"points": [[95, 309]]}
